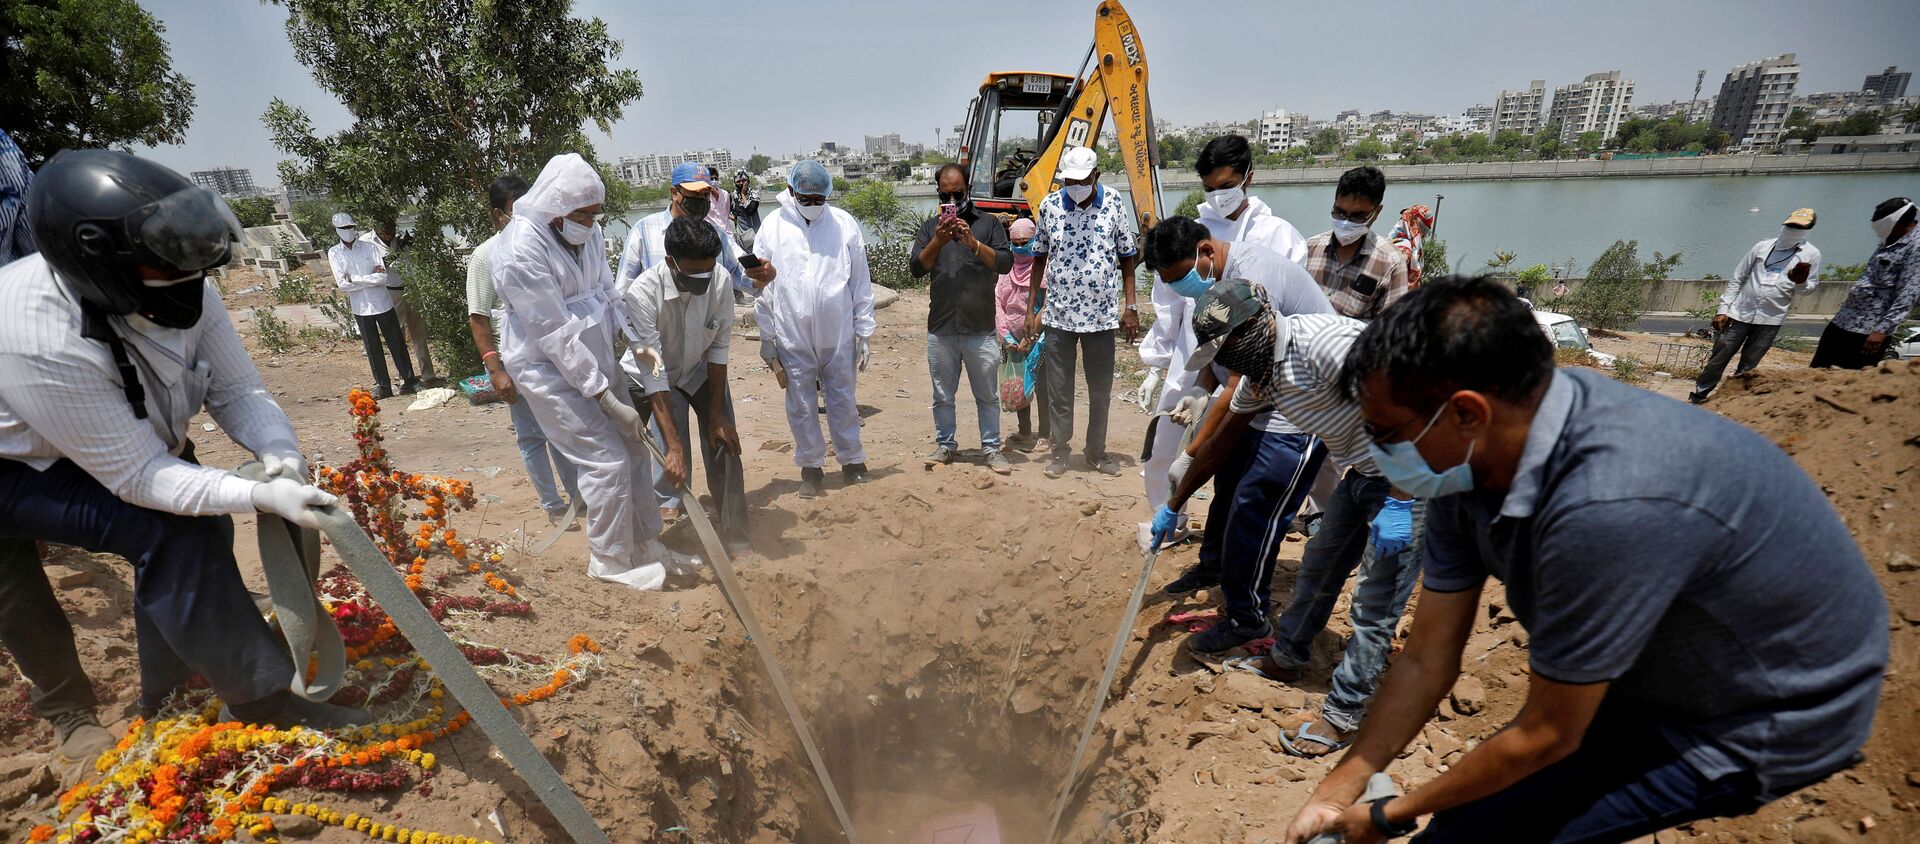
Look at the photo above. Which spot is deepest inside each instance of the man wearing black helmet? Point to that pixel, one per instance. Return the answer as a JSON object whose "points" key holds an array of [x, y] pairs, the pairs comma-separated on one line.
{"points": [[110, 342]]}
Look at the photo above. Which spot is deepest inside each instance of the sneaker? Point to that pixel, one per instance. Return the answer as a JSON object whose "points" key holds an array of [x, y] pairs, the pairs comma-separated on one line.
{"points": [[940, 456], [384, 391], [1226, 636], [410, 387], [82, 740], [1057, 466], [1020, 442], [1104, 465], [998, 463], [1697, 398], [813, 482], [855, 473], [1192, 580]]}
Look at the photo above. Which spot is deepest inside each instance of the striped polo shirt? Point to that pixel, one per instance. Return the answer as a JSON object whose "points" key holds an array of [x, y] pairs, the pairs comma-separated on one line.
{"points": [[1309, 352]]}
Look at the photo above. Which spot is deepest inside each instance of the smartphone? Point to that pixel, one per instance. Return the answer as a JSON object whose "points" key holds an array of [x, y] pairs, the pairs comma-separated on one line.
{"points": [[750, 261], [948, 211]]}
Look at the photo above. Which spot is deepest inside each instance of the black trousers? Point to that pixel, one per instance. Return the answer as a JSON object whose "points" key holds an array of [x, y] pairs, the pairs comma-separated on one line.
{"points": [[191, 611], [1840, 347], [726, 479], [388, 324]]}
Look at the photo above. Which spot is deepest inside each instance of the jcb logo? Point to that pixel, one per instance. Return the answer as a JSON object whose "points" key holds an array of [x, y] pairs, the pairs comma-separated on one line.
{"points": [[1077, 131], [1130, 44]]}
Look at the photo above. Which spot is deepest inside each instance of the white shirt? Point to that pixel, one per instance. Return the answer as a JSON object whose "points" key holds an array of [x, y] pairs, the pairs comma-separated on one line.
{"points": [[1084, 244], [646, 247], [481, 298], [1257, 224], [821, 296], [359, 270], [61, 397], [1760, 291], [690, 331]]}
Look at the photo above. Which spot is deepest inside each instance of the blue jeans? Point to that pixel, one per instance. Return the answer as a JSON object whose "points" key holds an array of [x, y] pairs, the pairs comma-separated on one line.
{"points": [[979, 354], [1379, 597], [1256, 493], [1624, 782], [535, 452]]}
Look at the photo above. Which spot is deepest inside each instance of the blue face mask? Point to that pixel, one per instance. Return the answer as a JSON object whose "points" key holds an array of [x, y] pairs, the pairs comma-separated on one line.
{"points": [[1193, 284], [1022, 249], [1403, 466]]}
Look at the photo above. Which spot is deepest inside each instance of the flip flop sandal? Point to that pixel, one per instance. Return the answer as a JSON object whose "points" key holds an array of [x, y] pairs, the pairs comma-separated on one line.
{"points": [[1194, 620], [1332, 745], [1251, 665]]}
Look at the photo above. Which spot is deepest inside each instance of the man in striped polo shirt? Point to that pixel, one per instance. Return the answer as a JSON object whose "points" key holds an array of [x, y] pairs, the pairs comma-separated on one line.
{"points": [[1292, 364]]}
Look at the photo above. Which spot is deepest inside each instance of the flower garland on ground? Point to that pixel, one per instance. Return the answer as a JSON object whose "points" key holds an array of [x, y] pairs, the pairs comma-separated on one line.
{"points": [[183, 776]]}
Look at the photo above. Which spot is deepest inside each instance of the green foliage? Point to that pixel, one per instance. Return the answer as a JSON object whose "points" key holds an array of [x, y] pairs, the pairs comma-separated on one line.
{"points": [[1368, 149], [289, 250], [758, 163], [1627, 368], [1501, 264], [87, 73], [887, 262], [1189, 206], [443, 98], [1433, 258], [1536, 277], [621, 196], [293, 289], [1324, 142], [275, 334], [252, 211], [315, 219], [1646, 134], [1176, 151], [876, 205], [1709, 304], [931, 156], [1615, 291], [1661, 267], [1793, 341], [1843, 272]]}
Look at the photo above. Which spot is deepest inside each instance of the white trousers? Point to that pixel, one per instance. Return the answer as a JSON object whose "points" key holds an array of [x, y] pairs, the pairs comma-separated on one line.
{"points": [[829, 375], [616, 476], [1166, 442]]}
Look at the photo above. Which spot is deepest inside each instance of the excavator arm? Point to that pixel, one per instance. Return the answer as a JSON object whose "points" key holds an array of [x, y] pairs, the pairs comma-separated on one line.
{"points": [[1112, 80]]}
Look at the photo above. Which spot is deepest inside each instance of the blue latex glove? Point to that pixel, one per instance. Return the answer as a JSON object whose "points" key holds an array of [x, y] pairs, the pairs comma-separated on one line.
{"points": [[1164, 523], [1392, 529]]}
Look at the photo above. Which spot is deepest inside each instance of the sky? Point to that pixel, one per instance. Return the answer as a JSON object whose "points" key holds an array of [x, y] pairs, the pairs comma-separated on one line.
{"points": [[835, 70]]}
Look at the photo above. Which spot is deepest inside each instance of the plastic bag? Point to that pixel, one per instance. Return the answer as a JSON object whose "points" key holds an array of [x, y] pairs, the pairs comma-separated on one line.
{"points": [[479, 389], [1016, 392]]}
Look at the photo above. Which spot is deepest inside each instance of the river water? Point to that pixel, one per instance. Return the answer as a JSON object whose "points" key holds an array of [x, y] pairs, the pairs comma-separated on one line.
{"points": [[1709, 220]]}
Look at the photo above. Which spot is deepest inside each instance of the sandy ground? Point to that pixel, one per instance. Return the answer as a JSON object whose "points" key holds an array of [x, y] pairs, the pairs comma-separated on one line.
{"points": [[942, 629]]}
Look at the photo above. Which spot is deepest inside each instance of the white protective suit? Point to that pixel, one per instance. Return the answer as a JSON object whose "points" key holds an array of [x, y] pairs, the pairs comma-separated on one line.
{"points": [[821, 298], [560, 315]]}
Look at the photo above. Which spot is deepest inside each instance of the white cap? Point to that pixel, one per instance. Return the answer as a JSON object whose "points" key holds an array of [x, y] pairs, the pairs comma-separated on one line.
{"points": [[343, 220], [1077, 162]]}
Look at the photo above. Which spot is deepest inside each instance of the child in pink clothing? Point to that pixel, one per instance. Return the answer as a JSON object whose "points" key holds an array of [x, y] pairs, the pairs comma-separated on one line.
{"points": [[1013, 298]]}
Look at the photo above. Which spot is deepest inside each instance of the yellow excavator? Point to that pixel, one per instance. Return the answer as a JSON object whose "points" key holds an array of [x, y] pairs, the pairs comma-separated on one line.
{"points": [[1022, 121]]}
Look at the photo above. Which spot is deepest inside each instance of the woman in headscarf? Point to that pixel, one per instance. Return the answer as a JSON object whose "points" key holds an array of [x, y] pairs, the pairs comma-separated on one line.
{"points": [[1410, 237], [557, 341], [1013, 300]]}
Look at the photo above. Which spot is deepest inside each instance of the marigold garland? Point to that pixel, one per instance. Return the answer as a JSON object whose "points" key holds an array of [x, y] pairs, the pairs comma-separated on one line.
{"points": [[184, 777]]}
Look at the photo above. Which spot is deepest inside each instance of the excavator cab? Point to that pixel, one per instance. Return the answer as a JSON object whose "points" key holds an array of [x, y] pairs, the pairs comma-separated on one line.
{"points": [[1008, 124], [1021, 122]]}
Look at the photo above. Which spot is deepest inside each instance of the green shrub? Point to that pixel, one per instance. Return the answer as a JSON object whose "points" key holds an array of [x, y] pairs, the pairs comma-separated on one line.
{"points": [[274, 333], [1615, 292], [293, 289], [1190, 204], [888, 263], [1628, 368]]}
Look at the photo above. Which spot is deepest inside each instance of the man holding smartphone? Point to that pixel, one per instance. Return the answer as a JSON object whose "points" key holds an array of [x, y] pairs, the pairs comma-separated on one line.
{"points": [[965, 251], [1756, 299]]}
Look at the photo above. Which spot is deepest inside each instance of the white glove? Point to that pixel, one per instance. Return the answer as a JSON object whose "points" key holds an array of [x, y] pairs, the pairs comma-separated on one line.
{"points": [[1192, 405], [624, 418], [290, 466], [1147, 388], [1177, 472], [649, 358], [290, 500], [862, 353]]}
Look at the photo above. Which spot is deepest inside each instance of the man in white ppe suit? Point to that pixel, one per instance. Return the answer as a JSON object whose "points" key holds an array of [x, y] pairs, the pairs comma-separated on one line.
{"points": [[816, 317], [557, 341]]}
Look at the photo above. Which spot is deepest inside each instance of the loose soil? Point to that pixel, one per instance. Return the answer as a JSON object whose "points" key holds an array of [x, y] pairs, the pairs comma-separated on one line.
{"points": [[943, 628]]}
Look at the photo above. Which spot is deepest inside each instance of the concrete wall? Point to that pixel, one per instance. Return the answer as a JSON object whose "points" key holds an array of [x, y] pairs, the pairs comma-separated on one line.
{"points": [[1493, 171], [1684, 294]]}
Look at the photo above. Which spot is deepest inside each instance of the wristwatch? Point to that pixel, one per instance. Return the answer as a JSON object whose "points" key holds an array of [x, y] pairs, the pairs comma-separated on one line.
{"points": [[1377, 810], [1133, 306]]}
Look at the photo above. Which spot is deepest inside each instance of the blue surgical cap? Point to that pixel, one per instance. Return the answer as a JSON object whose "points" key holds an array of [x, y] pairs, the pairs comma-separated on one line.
{"points": [[809, 177]]}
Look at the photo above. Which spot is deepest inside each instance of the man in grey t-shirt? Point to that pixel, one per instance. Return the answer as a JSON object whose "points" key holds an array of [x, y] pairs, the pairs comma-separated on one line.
{"points": [[1705, 635]]}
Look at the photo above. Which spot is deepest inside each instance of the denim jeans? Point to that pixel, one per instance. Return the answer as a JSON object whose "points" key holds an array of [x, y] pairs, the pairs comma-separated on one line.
{"points": [[979, 355], [1379, 597], [543, 461], [1751, 340], [1256, 493], [725, 482], [1624, 782]]}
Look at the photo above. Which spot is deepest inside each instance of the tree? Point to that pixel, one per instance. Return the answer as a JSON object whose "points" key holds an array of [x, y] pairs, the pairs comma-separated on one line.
{"points": [[1501, 264], [444, 97], [1589, 141], [1859, 123], [893, 223], [1324, 142], [1433, 258], [87, 73], [1615, 291], [1189, 206], [252, 211], [1175, 149], [1368, 149], [758, 163]]}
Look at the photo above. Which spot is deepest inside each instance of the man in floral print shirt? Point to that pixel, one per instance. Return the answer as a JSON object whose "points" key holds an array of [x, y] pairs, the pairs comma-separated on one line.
{"points": [[1083, 263]]}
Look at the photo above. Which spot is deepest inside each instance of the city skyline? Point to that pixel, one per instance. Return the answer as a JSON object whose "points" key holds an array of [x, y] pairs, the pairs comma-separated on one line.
{"points": [[735, 105]]}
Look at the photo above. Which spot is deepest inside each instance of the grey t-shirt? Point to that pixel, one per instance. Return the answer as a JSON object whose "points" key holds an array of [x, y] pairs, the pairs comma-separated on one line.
{"points": [[1689, 562]]}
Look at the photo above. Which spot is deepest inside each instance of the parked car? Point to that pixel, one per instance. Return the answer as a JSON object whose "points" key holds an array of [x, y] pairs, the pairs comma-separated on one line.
{"points": [[1567, 334], [1904, 344]]}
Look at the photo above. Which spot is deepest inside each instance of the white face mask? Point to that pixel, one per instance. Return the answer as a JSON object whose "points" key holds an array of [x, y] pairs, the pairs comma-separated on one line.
{"points": [[1079, 193], [811, 212], [1225, 201], [1883, 227], [575, 233], [348, 235], [1348, 231], [1790, 237]]}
